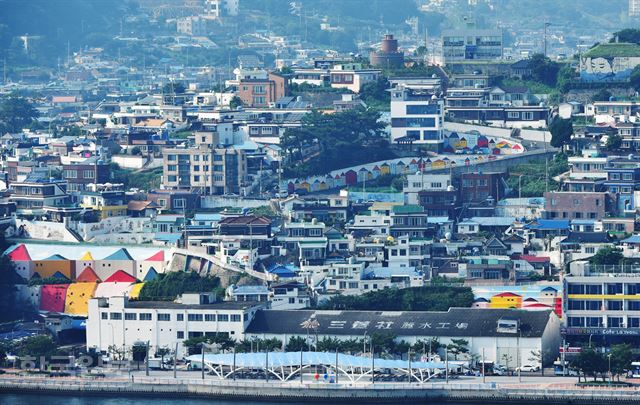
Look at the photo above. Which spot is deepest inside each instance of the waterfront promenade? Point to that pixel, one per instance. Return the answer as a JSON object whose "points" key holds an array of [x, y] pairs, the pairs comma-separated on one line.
{"points": [[187, 385]]}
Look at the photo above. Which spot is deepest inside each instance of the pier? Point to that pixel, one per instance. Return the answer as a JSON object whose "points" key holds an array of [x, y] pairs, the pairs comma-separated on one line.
{"points": [[317, 392]]}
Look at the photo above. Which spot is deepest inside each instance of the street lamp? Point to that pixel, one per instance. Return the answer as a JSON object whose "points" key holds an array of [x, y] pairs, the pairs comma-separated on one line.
{"points": [[609, 357]]}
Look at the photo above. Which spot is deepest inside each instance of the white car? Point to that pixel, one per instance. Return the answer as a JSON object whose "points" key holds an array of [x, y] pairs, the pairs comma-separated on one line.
{"points": [[528, 368]]}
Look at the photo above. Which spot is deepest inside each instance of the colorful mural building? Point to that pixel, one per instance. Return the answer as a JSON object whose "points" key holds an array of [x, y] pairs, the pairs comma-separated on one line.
{"points": [[529, 297], [459, 150], [76, 276]]}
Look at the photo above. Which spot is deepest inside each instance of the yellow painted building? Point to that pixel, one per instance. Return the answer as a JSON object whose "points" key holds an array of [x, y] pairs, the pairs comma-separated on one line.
{"points": [[77, 299], [506, 300]]}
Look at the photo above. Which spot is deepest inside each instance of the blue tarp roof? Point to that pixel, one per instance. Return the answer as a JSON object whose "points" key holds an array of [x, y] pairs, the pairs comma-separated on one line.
{"points": [[631, 239], [292, 359], [283, 270], [168, 237], [549, 224]]}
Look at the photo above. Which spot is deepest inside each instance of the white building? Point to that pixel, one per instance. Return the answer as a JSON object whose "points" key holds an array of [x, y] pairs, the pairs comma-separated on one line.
{"points": [[417, 115], [505, 336], [118, 322], [220, 8], [424, 182]]}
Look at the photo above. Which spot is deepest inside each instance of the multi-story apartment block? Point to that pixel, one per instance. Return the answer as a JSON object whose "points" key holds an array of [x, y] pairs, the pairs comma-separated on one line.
{"points": [[79, 174], [602, 301], [575, 205], [417, 115], [193, 26], [32, 196], [352, 76], [622, 177], [478, 187], [261, 92], [206, 168], [471, 44], [221, 8]]}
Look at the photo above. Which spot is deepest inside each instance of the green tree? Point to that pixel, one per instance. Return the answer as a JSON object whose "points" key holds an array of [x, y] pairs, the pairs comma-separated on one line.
{"points": [[384, 341], [327, 142], [590, 363], [139, 352], [17, 113], [634, 78], [376, 94], [162, 352], [536, 358], [621, 358], [173, 88], [458, 347], [235, 102], [169, 285], [427, 298], [135, 151], [544, 70], [296, 344], [561, 131], [614, 142], [566, 75], [631, 35], [37, 347], [607, 256], [602, 95]]}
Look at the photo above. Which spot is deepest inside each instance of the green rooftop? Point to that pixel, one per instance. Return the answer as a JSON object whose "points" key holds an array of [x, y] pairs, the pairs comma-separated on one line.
{"points": [[408, 209], [612, 50]]}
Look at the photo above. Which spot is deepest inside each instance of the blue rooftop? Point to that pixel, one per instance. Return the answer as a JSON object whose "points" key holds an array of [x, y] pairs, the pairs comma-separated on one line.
{"points": [[632, 239], [292, 359], [558, 224], [120, 254]]}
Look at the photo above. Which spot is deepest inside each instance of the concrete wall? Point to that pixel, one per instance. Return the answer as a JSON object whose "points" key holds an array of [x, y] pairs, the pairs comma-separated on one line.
{"points": [[108, 229], [525, 134], [212, 201], [130, 162], [53, 231]]}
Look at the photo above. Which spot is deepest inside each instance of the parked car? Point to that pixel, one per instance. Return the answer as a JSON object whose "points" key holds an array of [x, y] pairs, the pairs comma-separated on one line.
{"points": [[528, 368]]}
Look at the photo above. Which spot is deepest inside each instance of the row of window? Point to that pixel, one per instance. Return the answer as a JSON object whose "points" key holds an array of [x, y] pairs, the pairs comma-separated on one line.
{"points": [[597, 322], [610, 289], [147, 316]]}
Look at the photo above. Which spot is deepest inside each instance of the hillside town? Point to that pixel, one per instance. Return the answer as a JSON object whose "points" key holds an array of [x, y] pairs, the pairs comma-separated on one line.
{"points": [[457, 199]]}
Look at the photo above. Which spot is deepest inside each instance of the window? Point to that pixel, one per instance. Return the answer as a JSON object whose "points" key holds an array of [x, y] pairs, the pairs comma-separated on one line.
{"points": [[513, 114], [194, 317], [423, 109], [116, 316], [614, 305], [615, 322], [590, 249], [223, 318], [614, 288], [145, 316], [172, 158], [180, 334], [88, 174], [413, 122], [180, 317], [209, 317], [130, 317], [105, 315], [527, 116], [164, 317], [172, 168], [236, 318]]}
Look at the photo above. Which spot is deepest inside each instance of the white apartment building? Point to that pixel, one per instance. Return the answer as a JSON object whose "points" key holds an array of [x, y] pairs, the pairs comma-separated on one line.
{"points": [[119, 322], [221, 8], [424, 182], [417, 115], [602, 301]]}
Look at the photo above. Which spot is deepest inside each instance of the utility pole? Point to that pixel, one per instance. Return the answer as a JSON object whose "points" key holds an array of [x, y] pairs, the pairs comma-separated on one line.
{"points": [[546, 24], [146, 363], [484, 380], [175, 361]]}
